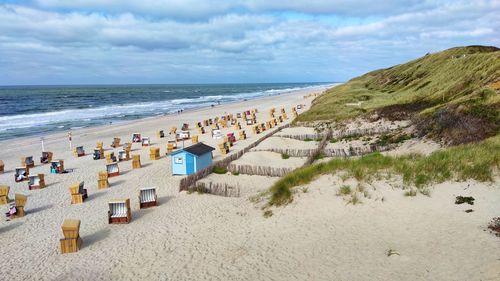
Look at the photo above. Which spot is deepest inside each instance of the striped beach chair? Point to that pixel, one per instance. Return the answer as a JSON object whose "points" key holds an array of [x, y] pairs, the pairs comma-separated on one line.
{"points": [[147, 197]]}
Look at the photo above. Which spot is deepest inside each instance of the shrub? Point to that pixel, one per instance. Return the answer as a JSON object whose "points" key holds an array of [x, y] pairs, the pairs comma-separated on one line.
{"points": [[219, 170], [284, 156]]}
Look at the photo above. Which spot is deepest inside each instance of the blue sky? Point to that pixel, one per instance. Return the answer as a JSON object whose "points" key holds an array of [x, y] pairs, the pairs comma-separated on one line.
{"points": [[188, 41]]}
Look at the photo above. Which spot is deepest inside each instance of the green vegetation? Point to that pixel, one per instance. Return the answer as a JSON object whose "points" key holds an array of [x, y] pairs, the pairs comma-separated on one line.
{"points": [[354, 199], [386, 139], [308, 139], [235, 173], [268, 213], [453, 95], [345, 190], [219, 170], [284, 156], [319, 156], [471, 161]]}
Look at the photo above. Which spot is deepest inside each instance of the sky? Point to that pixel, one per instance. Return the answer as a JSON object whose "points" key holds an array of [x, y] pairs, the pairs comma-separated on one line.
{"points": [[60, 42]]}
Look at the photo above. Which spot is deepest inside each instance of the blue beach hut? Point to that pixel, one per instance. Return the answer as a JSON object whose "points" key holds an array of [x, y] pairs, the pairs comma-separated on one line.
{"points": [[189, 160]]}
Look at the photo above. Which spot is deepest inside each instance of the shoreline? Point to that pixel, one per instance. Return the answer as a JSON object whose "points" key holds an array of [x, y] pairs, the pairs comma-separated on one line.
{"points": [[91, 129]]}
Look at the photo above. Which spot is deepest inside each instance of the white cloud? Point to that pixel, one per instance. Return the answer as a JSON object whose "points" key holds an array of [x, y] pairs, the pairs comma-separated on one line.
{"points": [[193, 9], [246, 39]]}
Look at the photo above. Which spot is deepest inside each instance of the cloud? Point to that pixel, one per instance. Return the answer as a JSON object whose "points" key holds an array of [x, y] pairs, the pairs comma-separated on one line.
{"points": [[100, 41], [193, 9]]}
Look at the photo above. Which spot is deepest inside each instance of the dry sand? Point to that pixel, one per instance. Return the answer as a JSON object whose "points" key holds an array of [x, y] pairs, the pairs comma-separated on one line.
{"points": [[205, 237], [269, 159], [419, 146], [285, 143], [434, 238], [179, 239], [297, 131], [247, 185]]}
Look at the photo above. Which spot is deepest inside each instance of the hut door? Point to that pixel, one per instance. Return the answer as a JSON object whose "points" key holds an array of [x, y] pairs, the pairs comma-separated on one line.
{"points": [[189, 164]]}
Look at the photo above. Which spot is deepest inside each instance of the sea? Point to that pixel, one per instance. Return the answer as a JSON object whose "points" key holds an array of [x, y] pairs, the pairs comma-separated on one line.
{"points": [[41, 110]]}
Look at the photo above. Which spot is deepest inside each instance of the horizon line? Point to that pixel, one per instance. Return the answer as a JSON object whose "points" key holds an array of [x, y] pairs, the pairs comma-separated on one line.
{"points": [[162, 84]]}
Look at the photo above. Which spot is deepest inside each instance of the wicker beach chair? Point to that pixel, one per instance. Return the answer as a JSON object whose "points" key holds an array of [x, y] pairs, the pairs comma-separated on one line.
{"points": [[103, 182], [154, 153], [243, 135], [22, 174], [224, 148], [16, 209], [116, 142], [79, 151], [170, 148], [36, 181], [78, 193], [146, 141], [110, 157], [136, 161], [27, 161], [136, 137], [123, 155], [98, 153], [46, 157], [119, 211], [147, 197], [173, 131], [182, 135], [113, 170], [71, 242], [57, 167], [216, 134], [4, 194]]}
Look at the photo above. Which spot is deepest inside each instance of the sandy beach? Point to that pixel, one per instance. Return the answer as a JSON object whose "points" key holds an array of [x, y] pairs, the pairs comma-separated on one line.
{"points": [[192, 236]]}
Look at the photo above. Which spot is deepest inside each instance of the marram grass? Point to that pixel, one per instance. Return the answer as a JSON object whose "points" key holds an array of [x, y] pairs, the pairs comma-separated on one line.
{"points": [[477, 161]]}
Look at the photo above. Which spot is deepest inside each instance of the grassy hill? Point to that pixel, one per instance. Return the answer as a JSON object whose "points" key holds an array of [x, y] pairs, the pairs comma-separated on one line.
{"points": [[453, 95]]}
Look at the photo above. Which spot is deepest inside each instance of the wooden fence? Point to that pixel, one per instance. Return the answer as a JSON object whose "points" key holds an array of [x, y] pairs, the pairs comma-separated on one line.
{"points": [[355, 151], [189, 182], [221, 189], [259, 170], [290, 152]]}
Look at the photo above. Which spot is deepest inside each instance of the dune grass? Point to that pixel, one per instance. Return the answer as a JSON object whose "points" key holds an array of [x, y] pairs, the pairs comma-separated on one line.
{"points": [[477, 161], [456, 85], [219, 170]]}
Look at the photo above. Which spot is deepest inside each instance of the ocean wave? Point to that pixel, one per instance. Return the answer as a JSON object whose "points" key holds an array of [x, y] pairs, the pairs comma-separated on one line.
{"points": [[93, 115]]}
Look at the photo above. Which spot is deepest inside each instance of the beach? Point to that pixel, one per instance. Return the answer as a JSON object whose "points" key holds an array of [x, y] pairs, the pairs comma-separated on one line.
{"points": [[194, 236]]}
